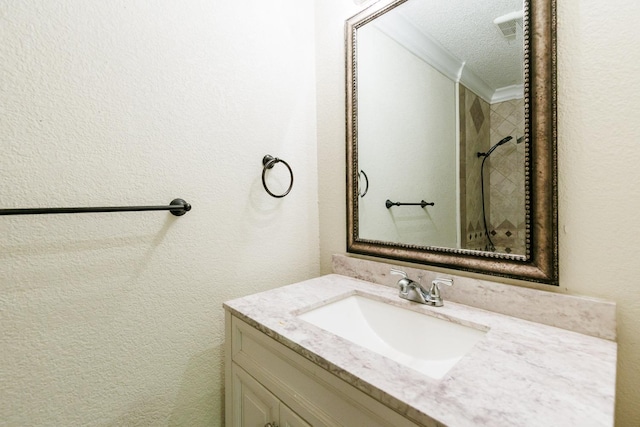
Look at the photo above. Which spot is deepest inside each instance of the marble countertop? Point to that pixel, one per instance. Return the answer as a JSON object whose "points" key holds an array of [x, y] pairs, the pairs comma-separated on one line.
{"points": [[520, 374]]}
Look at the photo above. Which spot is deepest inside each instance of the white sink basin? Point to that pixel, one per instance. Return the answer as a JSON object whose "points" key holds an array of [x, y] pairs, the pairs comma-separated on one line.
{"points": [[422, 342]]}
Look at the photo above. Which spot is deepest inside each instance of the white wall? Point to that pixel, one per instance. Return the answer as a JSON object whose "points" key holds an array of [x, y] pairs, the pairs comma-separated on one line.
{"points": [[406, 144], [599, 154], [116, 319]]}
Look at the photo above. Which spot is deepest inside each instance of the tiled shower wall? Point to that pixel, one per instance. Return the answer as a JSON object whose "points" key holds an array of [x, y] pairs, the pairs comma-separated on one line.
{"points": [[506, 178], [481, 126], [474, 137]]}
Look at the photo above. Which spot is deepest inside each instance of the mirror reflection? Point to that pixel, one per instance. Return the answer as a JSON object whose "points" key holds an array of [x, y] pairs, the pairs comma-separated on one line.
{"points": [[441, 143]]}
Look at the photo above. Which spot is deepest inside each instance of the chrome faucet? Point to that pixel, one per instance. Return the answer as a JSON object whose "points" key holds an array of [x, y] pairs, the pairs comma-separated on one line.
{"points": [[414, 291]]}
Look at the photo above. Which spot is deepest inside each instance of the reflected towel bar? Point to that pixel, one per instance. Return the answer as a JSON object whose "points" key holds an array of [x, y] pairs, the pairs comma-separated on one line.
{"points": [[178, 207], [422, 204]]}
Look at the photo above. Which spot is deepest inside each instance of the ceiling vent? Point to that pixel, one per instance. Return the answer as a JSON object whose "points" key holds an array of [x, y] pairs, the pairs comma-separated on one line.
{"points": [[507, 24]]}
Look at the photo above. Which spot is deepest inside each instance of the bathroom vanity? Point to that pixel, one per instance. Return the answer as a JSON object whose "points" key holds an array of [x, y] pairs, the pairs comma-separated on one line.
{"points": [[285, 370]]}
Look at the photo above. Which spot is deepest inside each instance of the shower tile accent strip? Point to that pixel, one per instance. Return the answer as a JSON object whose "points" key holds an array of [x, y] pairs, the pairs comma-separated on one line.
{"points": [[580, 314]]}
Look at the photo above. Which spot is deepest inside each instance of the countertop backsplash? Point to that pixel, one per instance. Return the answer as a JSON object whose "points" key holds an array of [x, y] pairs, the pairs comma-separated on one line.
{"points": [[585, 315]]}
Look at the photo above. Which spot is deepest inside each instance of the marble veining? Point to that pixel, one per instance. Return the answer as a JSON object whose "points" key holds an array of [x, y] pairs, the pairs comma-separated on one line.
{"points": [[586, 315], [521, 373]]}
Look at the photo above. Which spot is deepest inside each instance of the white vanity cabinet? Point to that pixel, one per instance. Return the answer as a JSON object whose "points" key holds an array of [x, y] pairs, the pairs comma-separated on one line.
{"points": [[267, 382]]}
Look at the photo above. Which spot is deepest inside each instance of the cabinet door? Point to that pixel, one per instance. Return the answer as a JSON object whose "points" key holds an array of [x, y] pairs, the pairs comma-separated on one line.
{"points": [[253, 405], [288, 418]]}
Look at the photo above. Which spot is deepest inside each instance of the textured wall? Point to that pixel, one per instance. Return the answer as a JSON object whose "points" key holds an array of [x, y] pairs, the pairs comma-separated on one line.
{"points": [[599, 154], [116, 319]]}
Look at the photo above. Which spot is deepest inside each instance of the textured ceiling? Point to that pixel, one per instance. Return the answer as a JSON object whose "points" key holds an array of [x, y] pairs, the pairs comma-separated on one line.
{"points": [[465, 28]]}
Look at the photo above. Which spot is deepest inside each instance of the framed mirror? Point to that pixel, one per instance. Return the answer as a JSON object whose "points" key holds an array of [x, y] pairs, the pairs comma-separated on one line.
{"points": [[451, 135]]}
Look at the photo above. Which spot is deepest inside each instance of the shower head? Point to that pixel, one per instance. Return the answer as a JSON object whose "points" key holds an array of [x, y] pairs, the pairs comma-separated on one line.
{"points": [[499, 143], [502, 141]]}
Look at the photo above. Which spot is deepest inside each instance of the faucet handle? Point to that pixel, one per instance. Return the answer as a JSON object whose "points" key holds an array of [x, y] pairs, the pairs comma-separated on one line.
{"points": [[402, 283], [399, 273], [434, 292], [442, 281]]}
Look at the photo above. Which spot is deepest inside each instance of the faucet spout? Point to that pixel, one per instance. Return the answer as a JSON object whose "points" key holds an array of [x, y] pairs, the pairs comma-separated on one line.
{"points": [[419, 294]]}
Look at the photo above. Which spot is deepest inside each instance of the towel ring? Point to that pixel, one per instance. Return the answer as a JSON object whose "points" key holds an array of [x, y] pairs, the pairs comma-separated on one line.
{"points": [[269, 162], [366, 179]]}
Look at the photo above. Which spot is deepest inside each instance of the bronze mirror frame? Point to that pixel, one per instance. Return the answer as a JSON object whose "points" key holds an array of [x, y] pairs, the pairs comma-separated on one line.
{"points": [[540, 264]]}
